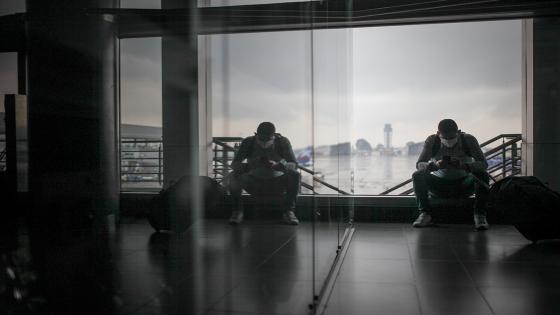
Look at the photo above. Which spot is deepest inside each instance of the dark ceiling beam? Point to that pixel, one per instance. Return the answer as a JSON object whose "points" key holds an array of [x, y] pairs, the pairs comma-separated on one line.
{"points": [[324, 14], [295, 16]]}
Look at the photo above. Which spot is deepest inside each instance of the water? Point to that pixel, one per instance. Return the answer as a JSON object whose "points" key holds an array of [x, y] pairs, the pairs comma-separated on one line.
{"points": [[373, 174]]}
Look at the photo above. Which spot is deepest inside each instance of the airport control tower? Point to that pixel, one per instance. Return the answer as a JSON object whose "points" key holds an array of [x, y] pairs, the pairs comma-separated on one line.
{"points": [[388, 130]]}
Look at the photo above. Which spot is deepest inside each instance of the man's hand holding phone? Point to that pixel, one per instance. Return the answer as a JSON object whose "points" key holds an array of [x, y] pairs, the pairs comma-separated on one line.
{"points": [[444, 163], [265, 162]]}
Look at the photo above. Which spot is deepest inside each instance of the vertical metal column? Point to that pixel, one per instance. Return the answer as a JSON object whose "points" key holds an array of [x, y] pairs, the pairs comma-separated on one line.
{"points": [[74, 186], [541, 113]]}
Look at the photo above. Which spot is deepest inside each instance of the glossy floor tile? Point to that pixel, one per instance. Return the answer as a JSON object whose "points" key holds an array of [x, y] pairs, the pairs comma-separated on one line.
{"points": [[268, 268], [448, 269], [258, 267]]}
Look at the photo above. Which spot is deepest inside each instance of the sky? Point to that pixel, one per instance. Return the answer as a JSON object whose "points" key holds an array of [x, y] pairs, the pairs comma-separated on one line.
{"points": [[8, 76], [408, 76]]}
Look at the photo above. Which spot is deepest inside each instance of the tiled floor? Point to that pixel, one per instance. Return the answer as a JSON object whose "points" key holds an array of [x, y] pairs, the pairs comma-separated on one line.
{"points": [[450, 269], [263, 267], [215, 268]]}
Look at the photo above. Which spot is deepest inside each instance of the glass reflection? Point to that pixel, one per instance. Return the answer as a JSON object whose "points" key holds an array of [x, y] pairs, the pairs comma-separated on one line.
{"points": [[332, 134], [256, 92]]}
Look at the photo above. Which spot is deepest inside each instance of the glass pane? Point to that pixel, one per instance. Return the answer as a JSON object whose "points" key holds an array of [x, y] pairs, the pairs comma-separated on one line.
{"points": [[332, 131], [250, 79], [141, 114], [408, 78]]}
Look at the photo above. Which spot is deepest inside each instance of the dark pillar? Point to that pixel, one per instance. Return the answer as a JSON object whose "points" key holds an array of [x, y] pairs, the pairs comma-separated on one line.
{"points": [[180, 98], [541, 114], [73, 149]]}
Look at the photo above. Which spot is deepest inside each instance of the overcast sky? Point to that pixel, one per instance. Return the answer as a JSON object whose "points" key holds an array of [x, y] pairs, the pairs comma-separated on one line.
{"points": [[408, 76]]}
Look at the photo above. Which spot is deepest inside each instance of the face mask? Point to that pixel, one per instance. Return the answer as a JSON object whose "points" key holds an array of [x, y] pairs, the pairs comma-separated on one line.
{"points": [[449, 142]]}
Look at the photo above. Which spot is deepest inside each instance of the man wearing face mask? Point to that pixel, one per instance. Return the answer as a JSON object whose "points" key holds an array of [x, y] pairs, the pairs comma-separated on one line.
{"points": [[451, 165], [270, 161]]}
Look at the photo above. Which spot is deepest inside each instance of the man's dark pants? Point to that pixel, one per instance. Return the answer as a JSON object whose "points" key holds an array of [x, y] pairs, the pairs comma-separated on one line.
{"points": [[289, 183], [424, 183]]}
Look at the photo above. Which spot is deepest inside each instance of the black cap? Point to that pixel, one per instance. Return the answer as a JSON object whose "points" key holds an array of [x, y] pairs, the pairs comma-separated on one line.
{"points": [[265, 129], [447, 126]]}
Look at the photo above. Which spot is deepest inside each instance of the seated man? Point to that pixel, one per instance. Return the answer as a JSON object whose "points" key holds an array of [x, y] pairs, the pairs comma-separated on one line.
{"points": [[451, 165], [270, 163]]}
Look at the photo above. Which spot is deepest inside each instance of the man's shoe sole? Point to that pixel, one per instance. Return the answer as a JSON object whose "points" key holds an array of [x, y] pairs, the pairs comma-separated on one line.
{"points": [[422, 225]]}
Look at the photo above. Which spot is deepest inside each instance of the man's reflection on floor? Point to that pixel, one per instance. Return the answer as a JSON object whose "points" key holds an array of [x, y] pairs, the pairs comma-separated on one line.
{"points": [[225, 268], [443, 281]]}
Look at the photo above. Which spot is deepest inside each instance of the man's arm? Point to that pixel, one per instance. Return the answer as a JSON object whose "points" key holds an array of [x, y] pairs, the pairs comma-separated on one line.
{"points": [[288, 157], [241, 154], [479, 164], [426, 155]]}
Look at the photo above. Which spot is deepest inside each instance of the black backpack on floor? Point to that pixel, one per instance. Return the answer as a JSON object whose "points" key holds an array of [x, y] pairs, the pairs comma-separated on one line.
{"points": [[531, 206], [172, 209]]}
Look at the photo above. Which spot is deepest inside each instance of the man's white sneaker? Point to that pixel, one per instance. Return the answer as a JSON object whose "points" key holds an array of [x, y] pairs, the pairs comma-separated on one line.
{"points": [[236, 217], [423, 220], [290, 218], [480, 222]]}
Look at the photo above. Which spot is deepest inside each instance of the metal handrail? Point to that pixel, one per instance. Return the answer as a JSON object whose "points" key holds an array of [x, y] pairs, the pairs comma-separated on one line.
{"points": [[507, 146], [218, 175], [222, 157], [142, 171], [3, 156]]}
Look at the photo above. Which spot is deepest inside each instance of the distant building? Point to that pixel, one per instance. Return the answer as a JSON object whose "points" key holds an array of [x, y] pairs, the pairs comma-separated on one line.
{"points": [[344, 148], [414, 148], [388, 136], [129, 131], [363, 147]]}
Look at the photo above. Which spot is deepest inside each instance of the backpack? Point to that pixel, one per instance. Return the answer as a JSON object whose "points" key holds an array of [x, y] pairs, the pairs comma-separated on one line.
{"points": [[437, 144], [172, 209], [531, 206]]}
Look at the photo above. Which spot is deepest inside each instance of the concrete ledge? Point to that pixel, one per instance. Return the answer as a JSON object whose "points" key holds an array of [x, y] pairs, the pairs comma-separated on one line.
{"points": [[331, 208]]}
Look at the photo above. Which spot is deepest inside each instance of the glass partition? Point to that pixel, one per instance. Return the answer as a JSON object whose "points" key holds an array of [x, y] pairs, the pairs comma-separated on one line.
{"points": [[333, 151], [250, 79], [301, 82], [408, 78]]}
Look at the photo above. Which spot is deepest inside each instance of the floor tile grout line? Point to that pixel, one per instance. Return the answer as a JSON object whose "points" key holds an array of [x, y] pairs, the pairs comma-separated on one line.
{"points": [[416, 290], [477, 288], [274, 252]]}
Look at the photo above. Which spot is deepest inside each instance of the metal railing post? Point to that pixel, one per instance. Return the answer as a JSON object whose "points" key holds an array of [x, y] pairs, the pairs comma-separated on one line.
{"points": [[504, 168], [509, 142], [514, 158], [159, 164]]}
